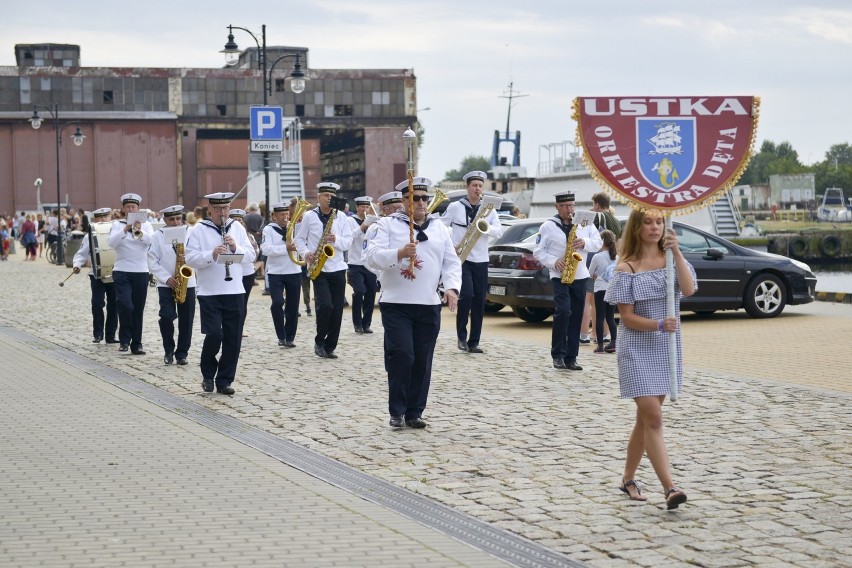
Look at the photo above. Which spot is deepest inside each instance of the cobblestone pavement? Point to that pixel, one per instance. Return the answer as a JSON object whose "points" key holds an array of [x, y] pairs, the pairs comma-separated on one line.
{"points": [[526, 447]]}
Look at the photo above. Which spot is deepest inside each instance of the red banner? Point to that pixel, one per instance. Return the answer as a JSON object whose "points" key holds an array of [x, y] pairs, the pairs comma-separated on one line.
{"points": [[668, 153]]}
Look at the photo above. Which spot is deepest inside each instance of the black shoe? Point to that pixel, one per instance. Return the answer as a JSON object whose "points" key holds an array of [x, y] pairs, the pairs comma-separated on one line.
{"points": [[573, 366], [359, 329], [182, 361], [330, 355], [225, 390], [265, 292], [169, 359], [415, 422], [282, 342], [320, 351], [396, 422], [139, 350], [98, 339], [474, 349], [462, 345], [289, 344], [345, 303], [367, 330], [112, 340], [207, 386], [123, 347], [559, 364], [308, 310]]}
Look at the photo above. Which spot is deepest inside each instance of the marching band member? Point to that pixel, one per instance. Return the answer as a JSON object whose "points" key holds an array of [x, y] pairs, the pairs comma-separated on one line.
{"points": [[249, 270], [163, 264], [551, 249], [458, 217], [330, 285], [285, 276], [362, 280], [221, 299], [391, 203], [411, 307], [130, 273], [100, 290]]}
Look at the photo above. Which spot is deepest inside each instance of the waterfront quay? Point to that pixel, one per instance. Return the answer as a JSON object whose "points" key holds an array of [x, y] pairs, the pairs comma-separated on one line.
{"points": [[112, 459]]}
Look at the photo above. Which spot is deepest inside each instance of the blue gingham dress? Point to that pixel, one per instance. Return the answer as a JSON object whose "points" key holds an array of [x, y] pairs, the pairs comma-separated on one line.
{"points": [[643, 356]]}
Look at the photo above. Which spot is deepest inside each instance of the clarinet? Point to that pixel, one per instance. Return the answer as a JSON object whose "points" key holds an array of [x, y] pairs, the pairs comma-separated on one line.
{"points": [[228, 277]]}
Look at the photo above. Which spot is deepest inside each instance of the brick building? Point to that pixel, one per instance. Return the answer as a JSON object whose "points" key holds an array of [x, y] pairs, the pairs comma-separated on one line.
{"points": [[174, 134]]}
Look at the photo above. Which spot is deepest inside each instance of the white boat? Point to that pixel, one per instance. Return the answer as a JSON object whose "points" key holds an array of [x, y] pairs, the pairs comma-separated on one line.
{"points": [[833, 207]]}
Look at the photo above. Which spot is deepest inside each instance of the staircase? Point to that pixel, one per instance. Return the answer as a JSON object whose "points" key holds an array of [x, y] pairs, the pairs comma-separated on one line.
{"points": [[289, 182], [726, 217]]}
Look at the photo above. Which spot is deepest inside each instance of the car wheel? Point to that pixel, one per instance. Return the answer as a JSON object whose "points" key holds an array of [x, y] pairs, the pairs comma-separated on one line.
{"points": [[765, 296], [532, 315], [493, 307]]}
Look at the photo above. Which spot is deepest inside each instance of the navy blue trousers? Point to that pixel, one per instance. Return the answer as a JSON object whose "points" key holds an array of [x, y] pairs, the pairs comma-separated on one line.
{"points": [[329, 293], [221, 324], [472, 301], [131, 291], [569, 300], [103, 294], [171, 311], [411, 331], [363, 284], [284, 291]]}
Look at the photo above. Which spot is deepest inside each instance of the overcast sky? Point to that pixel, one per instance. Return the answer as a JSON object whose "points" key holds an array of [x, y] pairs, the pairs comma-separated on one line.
{"points": [[794, 55]]}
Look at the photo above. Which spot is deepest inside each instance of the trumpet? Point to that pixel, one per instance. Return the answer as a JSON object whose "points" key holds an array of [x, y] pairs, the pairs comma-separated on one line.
{"points": [[436, 200], [228, 276]]}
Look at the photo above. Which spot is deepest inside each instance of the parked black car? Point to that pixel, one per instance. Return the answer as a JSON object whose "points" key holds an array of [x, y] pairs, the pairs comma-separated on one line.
{"points": [[730, 277], [514, 230]]}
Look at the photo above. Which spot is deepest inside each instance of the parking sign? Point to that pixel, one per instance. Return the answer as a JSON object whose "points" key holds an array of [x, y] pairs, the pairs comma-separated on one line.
{"points": [[266, 123]]}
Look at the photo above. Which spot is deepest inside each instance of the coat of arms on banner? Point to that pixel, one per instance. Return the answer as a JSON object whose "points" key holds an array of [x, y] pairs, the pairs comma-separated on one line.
{"points": [[668, 153]]}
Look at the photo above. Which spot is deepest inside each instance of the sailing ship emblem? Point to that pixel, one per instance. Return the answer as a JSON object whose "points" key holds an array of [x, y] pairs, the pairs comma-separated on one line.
{"points": [[666, 153]]}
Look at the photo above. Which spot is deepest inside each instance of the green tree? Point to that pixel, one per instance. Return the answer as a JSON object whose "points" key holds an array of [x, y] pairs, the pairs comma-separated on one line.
{"points": [[469, 164], [770, 160]]}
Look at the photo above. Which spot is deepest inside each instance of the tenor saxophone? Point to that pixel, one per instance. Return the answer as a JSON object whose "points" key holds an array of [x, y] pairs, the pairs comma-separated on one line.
{"points": [[183, 272], [572, 258], [477, 227], [324, 251]]}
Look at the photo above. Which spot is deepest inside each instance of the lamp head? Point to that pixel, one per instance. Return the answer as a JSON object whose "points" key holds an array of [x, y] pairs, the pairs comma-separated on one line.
{"points": [[297, 77], [231, 51], [35, 120], [78, 137]]}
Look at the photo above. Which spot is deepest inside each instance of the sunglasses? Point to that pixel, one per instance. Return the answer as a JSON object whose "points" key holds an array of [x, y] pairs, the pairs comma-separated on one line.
{"points": [[420, 198]]}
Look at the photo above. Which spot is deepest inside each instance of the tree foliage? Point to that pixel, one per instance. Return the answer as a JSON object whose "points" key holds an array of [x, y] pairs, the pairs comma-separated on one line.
{"points": [[468, 164], [834, 171]]}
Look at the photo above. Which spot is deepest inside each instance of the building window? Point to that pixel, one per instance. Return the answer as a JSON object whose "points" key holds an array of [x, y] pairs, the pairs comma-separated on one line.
{"points": [[342, 110], [280, 85], [108, 98], [223, 110], [381, 97], [300, 110]]}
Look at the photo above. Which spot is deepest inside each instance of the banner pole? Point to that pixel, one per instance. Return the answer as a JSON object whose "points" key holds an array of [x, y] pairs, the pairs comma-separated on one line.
{"points": [[670, 312]]}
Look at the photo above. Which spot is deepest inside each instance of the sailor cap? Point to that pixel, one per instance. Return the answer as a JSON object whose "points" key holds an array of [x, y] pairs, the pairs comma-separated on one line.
{"points": [[236, 213], [391, 197], [131, 198], [470, 176], [102, 212], [172, 211], [419, 182], [363, 200], [222, 198], [564, 197], [281, 206], [327, 187]]}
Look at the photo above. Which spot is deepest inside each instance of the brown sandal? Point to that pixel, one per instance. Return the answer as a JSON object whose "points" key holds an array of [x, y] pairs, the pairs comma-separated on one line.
{"points": [[627, 485], [674, 498]]}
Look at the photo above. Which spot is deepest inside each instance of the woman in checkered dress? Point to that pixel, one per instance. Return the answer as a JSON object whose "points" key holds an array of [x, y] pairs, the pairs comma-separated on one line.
{"points": [[639, 289]]}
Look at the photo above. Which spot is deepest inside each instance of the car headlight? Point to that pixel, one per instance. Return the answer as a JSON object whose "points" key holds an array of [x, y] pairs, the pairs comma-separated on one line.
{"points": [[801, 265]]}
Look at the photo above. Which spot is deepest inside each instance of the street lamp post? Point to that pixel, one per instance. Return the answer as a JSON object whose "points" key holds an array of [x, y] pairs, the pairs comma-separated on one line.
{"points": [[77, 138], [297, 84]]}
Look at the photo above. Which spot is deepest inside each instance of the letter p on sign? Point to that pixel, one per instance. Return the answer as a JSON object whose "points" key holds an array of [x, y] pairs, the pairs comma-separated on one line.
{"points": [[266, 123]]}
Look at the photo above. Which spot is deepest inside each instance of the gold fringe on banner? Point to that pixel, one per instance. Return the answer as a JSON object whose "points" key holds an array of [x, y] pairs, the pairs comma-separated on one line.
{"points": [[685, 210]]}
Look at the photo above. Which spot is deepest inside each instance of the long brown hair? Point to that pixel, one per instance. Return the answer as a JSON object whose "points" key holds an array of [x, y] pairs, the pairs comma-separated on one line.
{"points": [[631, 244], [608, 238]]}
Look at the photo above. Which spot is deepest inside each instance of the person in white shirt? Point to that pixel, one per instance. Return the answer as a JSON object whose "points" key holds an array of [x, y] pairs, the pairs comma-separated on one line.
{"points": [[103, 293], [550, 248], [220, 299], [330, 284], [285, 276], [361, 279], [130, 273], [162, 261], [458, 217], [410, 273]]}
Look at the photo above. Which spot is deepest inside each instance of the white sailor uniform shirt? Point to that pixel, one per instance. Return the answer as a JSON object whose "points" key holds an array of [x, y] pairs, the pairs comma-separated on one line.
{"points": [[162, 259], [274, 247], [440, 263], [359, 238], [210, 275], [551, 241], [455, 217], [131, 254], [310, 230]]}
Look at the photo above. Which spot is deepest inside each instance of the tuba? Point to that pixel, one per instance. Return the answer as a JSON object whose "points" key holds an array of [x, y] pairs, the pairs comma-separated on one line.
{"points": [[324, 251], [436, 200], [298, 211], [572, 258], [477, 227], [183, 272]]}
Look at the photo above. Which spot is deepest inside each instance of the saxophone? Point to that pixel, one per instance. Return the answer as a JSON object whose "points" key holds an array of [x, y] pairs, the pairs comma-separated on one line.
{"points": [[477, 227], [572, 258], [298, 211], [324, 251], [183, 272]]}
